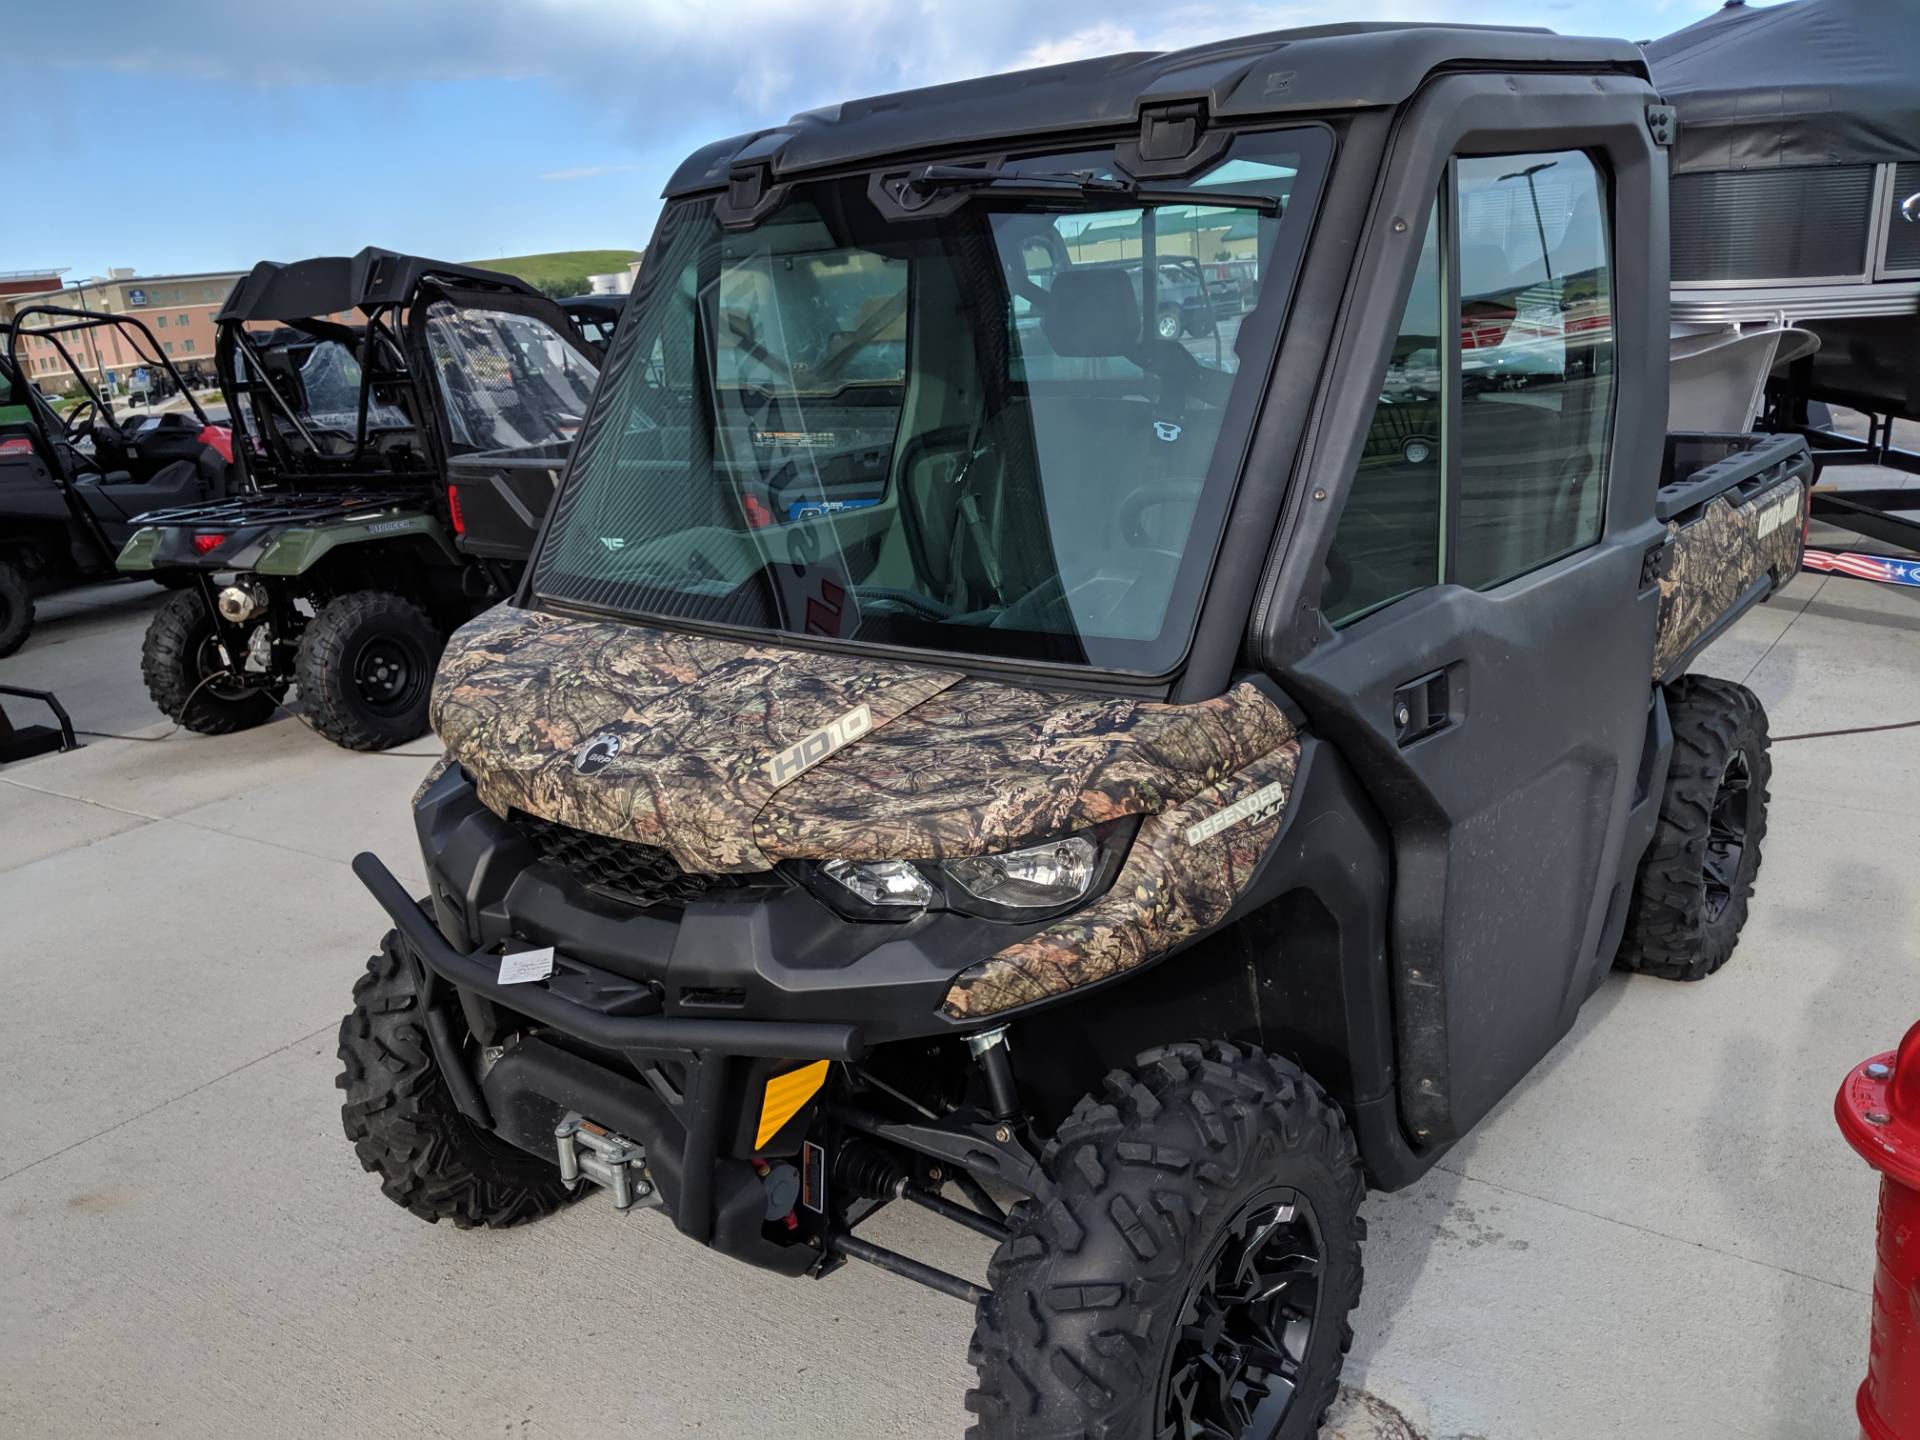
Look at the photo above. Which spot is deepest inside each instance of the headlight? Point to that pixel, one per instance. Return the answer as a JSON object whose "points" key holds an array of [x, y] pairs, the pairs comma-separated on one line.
{"points": [[884, 884], [1041, 877], [1034, 883]]}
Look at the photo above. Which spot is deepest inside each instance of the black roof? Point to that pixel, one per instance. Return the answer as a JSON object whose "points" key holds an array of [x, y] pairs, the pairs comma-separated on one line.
{"points": [[1812, 82], [1328, 67], [329, 283]]}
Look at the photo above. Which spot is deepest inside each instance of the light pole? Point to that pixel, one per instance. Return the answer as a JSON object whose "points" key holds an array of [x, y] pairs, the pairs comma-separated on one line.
{"points": [[1538, 224]]}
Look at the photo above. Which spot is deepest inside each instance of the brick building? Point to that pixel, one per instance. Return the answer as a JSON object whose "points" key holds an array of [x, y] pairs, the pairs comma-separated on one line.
{"points": [[178, 309]]}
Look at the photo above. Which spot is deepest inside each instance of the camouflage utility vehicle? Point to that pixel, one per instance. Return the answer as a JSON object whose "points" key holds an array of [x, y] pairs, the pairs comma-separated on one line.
{"points": [[957, 742], [401, 424], [74, 481]]}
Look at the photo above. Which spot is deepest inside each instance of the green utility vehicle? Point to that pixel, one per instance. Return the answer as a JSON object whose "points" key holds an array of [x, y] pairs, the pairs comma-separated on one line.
{"points": [[401, 424]]}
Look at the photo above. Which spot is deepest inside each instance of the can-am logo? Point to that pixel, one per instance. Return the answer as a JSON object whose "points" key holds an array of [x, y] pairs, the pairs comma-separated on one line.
{"points": [[809, 752], [596, 754]]}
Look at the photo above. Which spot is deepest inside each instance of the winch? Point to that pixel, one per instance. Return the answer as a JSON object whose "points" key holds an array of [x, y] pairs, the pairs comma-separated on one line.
{"points": [[593, 1152]]}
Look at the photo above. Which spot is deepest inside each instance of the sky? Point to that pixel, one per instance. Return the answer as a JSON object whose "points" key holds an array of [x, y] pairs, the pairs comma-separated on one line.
{"points": [[193, 135]]}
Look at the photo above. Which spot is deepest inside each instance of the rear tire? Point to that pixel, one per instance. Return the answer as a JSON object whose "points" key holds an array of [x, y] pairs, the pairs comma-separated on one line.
{"points": [[16, 608], [1168, 323], [1206, 1171], [177, 659], [1690, 897], [403, 1123], [365, 670]]}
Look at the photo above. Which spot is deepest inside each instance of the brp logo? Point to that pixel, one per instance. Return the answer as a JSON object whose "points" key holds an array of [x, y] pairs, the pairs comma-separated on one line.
{"points": [[1166, 430], [598, 753]]}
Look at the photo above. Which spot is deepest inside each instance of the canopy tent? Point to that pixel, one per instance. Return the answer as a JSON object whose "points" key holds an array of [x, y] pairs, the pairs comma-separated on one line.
{"points": [[1810, 82]]}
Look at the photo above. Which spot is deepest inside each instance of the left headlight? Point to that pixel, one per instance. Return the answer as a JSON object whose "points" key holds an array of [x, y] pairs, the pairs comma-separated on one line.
{"points": [[1041, 877], [1032, 883]]}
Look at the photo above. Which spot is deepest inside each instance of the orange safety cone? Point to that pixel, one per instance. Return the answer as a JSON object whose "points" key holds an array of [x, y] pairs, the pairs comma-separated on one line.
{"points": [[1878, 1108]]}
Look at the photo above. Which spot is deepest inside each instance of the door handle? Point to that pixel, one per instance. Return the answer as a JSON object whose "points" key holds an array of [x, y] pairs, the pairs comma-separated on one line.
{"points": [[1422, 707]]}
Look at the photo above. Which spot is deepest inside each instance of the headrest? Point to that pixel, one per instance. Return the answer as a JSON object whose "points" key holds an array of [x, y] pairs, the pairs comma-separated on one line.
{"points": [[1092, 312]]}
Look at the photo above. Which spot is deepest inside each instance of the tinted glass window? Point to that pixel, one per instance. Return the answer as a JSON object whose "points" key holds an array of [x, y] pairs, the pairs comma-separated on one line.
{"points": [[509, 381], [1389, 538], [978, 433], [1536, 362]]}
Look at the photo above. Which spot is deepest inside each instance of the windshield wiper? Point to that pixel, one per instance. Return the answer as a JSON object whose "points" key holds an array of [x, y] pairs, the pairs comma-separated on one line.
{"points": [[917, 189]]}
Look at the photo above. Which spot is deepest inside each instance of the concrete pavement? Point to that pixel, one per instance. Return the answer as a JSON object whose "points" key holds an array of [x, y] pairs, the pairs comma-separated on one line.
{"points": [[1659, 1234]]}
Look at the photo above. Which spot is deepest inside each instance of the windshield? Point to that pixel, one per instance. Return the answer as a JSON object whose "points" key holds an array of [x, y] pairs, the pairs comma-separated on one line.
{"points": [[1012, 431], [509, 381]]}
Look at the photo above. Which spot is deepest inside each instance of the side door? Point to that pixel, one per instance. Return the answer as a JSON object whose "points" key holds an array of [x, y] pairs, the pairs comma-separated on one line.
{"points": [[1478, 632]]}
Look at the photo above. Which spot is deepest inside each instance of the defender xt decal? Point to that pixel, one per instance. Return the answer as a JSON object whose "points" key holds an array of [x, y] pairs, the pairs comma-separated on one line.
{"points": [[1270, 797], [1715, 559], [1170, 889]]}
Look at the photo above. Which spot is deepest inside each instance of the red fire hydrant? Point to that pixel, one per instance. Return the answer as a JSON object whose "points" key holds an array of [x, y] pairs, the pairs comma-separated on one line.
{"points": [[1878, 1108]]}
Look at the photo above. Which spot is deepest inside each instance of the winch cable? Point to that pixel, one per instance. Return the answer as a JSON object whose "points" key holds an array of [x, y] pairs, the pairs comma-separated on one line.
{"points": [[278, 705], [1849, 730]]}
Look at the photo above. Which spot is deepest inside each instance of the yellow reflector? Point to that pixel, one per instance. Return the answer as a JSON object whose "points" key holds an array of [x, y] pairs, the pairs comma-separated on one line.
{"points": [[785, 1095]]}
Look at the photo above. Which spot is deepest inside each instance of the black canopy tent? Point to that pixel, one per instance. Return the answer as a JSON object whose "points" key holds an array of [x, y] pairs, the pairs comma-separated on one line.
{"points": [[1798, 141], [1812, 82]]}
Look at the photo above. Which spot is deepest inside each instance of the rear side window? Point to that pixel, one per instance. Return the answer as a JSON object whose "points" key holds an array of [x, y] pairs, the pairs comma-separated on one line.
{"points": [[1486, 457]]}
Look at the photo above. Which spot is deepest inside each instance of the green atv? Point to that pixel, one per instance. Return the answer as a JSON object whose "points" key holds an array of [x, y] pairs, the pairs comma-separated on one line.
{"points": [[1126, 794], [401, 423]]}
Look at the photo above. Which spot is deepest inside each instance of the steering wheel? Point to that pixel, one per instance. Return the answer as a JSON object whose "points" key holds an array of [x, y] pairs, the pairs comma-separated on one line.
{"points": [[70, 426], [1142, 498]]}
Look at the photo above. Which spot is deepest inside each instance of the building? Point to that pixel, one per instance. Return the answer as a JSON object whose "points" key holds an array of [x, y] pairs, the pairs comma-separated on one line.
{"points": [[177, 309], [28, 282]]}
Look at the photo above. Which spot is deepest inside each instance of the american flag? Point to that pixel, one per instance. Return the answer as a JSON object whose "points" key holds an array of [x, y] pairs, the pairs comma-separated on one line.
{"points": [[1884, 568]]}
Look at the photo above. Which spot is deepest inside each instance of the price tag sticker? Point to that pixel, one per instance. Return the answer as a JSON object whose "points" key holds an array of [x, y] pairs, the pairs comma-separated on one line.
{"points": [[525, 966]]}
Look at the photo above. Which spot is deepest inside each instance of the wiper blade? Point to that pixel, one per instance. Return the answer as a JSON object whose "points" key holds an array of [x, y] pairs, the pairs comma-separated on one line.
{"points": [[916, 191]]}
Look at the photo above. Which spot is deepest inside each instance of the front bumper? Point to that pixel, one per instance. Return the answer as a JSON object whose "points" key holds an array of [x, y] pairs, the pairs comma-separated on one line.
{"points": [[666, 1028]]}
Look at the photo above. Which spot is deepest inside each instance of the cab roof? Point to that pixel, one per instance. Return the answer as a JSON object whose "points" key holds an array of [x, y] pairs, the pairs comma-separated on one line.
{"points": [[327, 284], [1327, 67]]}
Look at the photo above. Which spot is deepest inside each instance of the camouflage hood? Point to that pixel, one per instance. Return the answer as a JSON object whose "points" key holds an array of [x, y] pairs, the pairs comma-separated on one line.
{"points": [[732, 756]]}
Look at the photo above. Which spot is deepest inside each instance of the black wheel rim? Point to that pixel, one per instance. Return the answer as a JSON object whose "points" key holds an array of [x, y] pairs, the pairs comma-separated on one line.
{"points": [[390, 674], [1727, 834], [213, 676], [1247, 1328]]}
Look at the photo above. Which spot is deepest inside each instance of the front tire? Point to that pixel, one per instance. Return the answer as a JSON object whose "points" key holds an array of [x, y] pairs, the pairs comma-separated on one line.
{"points": [[16, 608], [1168, 323], [365, 670], [180, 661], [403, 1123], [1196, 1265], [1690, 897]]}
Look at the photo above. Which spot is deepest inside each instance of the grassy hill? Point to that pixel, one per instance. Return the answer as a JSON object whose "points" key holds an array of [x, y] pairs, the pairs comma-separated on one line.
{"points": [[542, 270]]}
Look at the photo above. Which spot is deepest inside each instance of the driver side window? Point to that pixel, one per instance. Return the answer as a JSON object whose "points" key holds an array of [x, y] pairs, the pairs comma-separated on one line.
{"points": [[1488, 451]]}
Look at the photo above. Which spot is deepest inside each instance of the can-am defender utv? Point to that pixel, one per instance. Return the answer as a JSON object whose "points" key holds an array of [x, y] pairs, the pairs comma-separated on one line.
{"points": [[1141, 779], [403, 422], [73, 485]]}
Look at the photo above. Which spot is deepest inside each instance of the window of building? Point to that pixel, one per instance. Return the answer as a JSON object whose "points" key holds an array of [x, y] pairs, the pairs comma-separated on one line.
{"points": [[180, 320], [1482, 479], [160, 321], [187, 345], [167, 346]]}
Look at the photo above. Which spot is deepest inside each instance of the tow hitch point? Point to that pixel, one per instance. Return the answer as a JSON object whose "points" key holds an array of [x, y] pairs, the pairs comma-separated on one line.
{"points": [[613, 1162]]}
